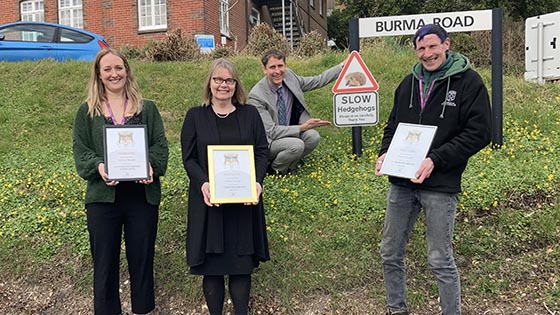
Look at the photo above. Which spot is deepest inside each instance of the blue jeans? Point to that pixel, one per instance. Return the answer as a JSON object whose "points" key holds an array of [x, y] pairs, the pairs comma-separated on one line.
{"points": [[403, 208]]}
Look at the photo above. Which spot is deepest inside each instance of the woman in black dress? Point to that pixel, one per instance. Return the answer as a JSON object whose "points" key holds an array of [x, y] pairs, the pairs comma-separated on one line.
{"points": [[226, 239]]}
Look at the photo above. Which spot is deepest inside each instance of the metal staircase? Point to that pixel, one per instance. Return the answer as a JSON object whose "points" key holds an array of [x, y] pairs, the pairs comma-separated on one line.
{"points": [[287, 21]]}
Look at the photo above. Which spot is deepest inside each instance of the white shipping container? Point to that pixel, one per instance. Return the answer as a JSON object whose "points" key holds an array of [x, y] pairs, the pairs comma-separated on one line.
{"points": [[542, 48]]}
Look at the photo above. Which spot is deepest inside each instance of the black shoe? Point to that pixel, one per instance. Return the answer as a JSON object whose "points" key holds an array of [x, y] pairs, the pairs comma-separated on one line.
{"points": [[389, 312], [271, 171]]}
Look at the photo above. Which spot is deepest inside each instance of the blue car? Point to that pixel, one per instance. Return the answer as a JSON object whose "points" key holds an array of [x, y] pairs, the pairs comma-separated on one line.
{"points": [[39, 40]]}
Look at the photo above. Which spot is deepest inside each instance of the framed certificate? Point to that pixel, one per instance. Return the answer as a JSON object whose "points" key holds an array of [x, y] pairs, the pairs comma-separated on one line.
{"points": [[126, 152], [231, 175], [408, 148]]}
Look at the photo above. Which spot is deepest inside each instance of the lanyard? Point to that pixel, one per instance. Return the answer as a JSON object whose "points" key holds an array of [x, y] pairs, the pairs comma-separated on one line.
{"points": [[113, 115], [423, 100]]}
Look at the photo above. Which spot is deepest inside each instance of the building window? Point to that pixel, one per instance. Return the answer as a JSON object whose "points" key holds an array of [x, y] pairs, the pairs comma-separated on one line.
{"points": [[152, 14], [255, 17], [321, 7], [32, 10], [70, 13], [312, 3], [224, 17]]}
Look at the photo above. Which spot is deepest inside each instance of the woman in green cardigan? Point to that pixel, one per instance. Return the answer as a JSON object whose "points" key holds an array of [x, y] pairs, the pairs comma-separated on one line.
{"points": [[114, 99]]}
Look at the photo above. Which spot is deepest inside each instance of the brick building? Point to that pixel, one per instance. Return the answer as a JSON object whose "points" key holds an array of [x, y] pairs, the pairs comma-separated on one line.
{"points": [[136, 22]]}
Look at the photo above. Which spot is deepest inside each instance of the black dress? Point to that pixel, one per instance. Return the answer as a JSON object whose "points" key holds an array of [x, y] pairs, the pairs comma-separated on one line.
{"points": [[230, 239], [229, 262]]}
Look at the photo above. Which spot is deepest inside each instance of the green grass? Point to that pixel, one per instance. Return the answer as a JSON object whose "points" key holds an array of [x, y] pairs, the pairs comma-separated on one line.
{"points": [[324, 223]]}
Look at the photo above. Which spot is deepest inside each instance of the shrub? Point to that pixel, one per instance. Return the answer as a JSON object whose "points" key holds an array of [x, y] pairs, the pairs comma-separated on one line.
{"points": [[132, 52], [263, 37], [311, 44], [337, 28], [175, 47], [222, 52]]}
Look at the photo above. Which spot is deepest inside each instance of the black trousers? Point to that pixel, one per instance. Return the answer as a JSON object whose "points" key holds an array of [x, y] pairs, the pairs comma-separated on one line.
{"points": [[106, 221]]}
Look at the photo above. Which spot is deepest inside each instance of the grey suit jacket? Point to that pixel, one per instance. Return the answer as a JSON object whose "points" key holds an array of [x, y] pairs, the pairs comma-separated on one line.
{"points": [[265, 100]]}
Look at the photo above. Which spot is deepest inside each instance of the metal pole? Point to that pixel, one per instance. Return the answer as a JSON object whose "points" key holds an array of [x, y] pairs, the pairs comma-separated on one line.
{"points": [[497, 78], [283, 18], [354, 41], [291, 24], [540, 53]]}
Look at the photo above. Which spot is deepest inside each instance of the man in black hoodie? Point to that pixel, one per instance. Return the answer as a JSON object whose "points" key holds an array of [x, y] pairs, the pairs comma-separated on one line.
{"points": [[441, 91]]}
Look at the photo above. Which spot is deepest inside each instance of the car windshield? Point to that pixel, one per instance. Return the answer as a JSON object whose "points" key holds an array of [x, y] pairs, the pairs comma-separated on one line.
{"points": [[28, 33]]}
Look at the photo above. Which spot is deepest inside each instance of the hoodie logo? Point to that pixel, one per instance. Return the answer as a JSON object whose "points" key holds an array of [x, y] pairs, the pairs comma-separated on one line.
{"points": [[450, 99]]}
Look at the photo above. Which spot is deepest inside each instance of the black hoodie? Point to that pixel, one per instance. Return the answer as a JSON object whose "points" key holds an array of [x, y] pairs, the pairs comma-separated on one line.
{"points": [[459, 106]]}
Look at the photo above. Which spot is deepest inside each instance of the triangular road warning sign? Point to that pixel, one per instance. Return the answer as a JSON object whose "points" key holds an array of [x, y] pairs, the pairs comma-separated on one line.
{"points": [[355, 76]]}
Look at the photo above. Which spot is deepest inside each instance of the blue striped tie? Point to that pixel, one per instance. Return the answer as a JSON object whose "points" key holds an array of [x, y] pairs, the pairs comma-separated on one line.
{"points": [[281, 107]]}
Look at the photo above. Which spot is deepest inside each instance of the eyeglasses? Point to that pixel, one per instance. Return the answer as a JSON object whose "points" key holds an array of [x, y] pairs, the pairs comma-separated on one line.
{"points": [[229, 81]]}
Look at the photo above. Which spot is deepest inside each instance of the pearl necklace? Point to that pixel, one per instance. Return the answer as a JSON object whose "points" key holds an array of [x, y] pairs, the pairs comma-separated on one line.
{"points": [[223, 116]]}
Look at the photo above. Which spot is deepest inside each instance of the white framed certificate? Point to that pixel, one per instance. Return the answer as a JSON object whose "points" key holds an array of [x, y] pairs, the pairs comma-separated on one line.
{"points": [[126, 152], [408, 148], [231, 174]]}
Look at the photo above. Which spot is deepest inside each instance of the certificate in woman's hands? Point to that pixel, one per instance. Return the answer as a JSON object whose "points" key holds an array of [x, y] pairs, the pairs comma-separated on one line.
{"points": [[231, 174], [408, 148], [126, 152]]}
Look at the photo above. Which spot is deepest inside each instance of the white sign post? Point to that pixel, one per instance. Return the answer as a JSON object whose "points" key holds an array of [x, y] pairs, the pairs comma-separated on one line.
{"points": [[356, 109], [356, 102]]}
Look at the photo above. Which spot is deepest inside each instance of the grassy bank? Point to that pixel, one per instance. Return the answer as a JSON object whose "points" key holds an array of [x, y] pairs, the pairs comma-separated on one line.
{"points": [[324, 223]]}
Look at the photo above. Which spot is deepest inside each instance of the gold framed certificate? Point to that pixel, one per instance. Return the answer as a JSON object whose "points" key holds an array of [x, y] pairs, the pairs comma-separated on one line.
{"points": [[126, 152], [408, 148], [231, 174]]}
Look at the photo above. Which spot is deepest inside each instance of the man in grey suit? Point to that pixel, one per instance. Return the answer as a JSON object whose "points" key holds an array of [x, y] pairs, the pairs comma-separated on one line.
{"points": [[278, 96]]}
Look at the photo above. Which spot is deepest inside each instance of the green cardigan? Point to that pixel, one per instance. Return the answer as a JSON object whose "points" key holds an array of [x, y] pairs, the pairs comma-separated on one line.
{"points": [[88, 152]]}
